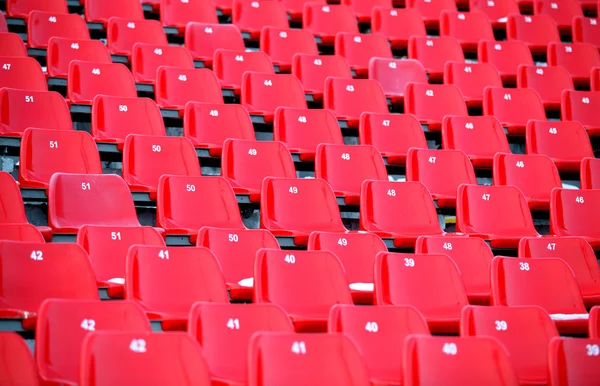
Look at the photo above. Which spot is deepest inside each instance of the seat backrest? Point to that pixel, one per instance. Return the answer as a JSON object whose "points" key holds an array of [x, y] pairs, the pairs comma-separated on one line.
{"points": [[476, 136], [502, 103], [281, 44], [561, 11], [572, 361], [505, 55], [585, 30], [581, 106], [41, 26], [358, 49], [535, 30], [430, 12], [22, 8], [263, 92], [590, 173], [537, 78], [18, 365], [88, 79], [494, 10], [362, 8], [123, 33], [203, 39], [350, 97], [558, 140], [433, 53], [432, 102], [397, 24], [569, 212], [394, 74], [312, 70], [147, 58], [179, 14], [251, 15], [62, 50], [102, 10], [328, 20], [595, 79], [229, 65], [466, 27], [11, 44], [472, 78], [12, 210], [20, 232], [22, 73], [577, 58]]}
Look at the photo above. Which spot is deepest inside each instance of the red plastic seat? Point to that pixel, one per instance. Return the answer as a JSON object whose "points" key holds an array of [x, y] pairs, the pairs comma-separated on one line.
{"points": [[147, 58], [430, 103], [394, 74], [229, 66], [569, 214], [281, 44], [61, 51], [165, 281], [525, 332], [17, 362], [262, 93], [397, 24], [236, 249], [75, 200], [296, 207], [594, 326], [109, 357], [577, 58], [561, 11], [20, 232], [252, 15], [211, 324], [325, 21], [537, 31], [441, 171], [585, 30], [312, 70], [430, 283], [202, 40], [20, 109], [22, 8], [548, 283], [208, 125], [348, 98], [572, 361], [431, 10], [101, 10], [595, 79], [298, 359], [42, 26], [186, 204], [574, 251], [506, 56], [304, 283], [175, 87], [294, 8], [87, 79], [466, 27], [513, 107], [11, 44], [177, 13], [358, 49], [471, 79], [590, 173], [402, 211], [391, 134], [433, 53], [496, 10], [62, 325], [346, 167], [582, 106], [538, 79], [123, 33], [21, 73], [302, 130], [3, 25], [362, 8]]}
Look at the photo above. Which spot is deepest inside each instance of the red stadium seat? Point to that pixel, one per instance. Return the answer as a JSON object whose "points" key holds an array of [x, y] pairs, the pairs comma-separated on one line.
{"points": [[42, 26], [101, 10], [208, 125], [348, 98], [62, 325], [229, 66], [281, 44], [402, 211], [235, 250], [513, 107], [186, 204], [175, 87], [391, 134], [358, 49], [304, 283], [595, 79], [123, 33], [211, 324], [325, 21], [20, 232], [16, 361], [11, 44], [577, 58], [147, 58], [572, 361], [252, 15], [430, 283], [594, 326], [3, 25], [45, 152], [471, 79], [496, 10], [538, 79], [113, 118], [537, 31], [346, 167], [22, 8], [22, 73], [202, 40], [86, 80], [299, 359], [177, 13], [534, 175], [430, 103], [506, 56], [397, 24], [302, 130], [294, 8], [262, 93], [75, 200], [590, 173], [379, 333], [466, 27], [61, 51], [561, 11], [582, 106], [20, 109], [585, 30], [312, 70], [362, 8], [394, 74], [431, 11], [109, 357], [569, 214], [441, 171], [524, 331], [433, 53]]}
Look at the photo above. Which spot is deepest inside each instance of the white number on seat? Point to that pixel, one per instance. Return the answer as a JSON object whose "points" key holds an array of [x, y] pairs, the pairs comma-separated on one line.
{"points": [[553, 130], [6, 66], [585, 100], [357, 39], [579, 200], [485, 197], [392, 65], [318, 62], [158, 51], [182, 77], [346, 156], [214, 113], [53, 144], [268, 83], [190, 187], [507, 97], [592, 350], [138, 345], [447, 246], [208, 30], [386, 122], [252, 152], [123, 108], [156, 148], [163, 254], [37, 255], [524, 266], [302, 119], [342, 242], [290, 259], [409, 262], [293, 190], [432, 160], [372, 327], [88, 324], [283, 35], [52, 19], [501, 325], [551, 246], [233, 238], [429, 43], [75, 46], [350, 88], [469, 126], [131, 25], [391, 192], [299, 348], [115, 235], [233, 324], [450, 349], [468, 69], [28, 98], [85, 186], [520, 164], [429, 93], [239, 58], [96, 71]]}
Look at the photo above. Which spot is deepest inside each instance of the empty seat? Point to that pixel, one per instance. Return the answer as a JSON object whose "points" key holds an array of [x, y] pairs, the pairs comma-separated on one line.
{"points": [[147, 58], [582, 106], [471, 79], [20, 109], [572, 361], [262, 93], [208, 125], [391, 134], [3, 25], [175, 87], [302, 130], [211, 324], [87, 79], [513, 107], [186, 204], [496, 11], [397, 24], [22, 8], [17, 362], [379, 333], [566, 143], [101, 10], [525, 332], [433, 53], [281, 44], [585, 30], [466, 27], [394, 74], [431, 283], [138, 358], [538, 79], [312, 70], [229, 66], [202, 40], [496, 213], [594, 325], [506, 56], [325, 21], [577, 58], [62, 325], [430, 103], [402, 211], [61, 51], [11, 44], [295, 207], [123, 33], [75, 200], [304, 283], [569, 214], [441, 171], [561, 11], [358, 49], [252, 15], [537, 31], [362, 8], [298, 359], [41, 26], [20, 232], [348, 98], [590, 173], [294, 8], [431, 10], [595, 79], [22, 73], [175, 13]]}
